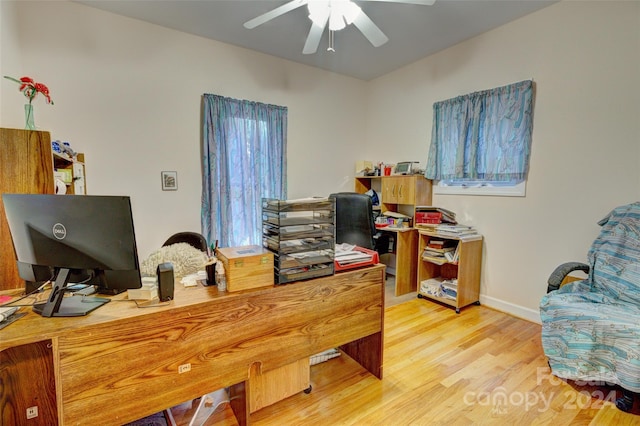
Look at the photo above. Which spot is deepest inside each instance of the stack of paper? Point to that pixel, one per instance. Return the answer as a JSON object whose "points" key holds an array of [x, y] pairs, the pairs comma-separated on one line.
{"points": [[346, 254], [463, 232]]}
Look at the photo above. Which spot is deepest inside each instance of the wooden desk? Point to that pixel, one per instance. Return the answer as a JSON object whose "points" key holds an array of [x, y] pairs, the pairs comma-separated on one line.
{"points": [[406, 252], [121, 363]]}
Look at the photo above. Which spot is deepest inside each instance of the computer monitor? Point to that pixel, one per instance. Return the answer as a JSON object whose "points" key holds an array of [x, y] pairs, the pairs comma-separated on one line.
{"points": [[74, 236]]}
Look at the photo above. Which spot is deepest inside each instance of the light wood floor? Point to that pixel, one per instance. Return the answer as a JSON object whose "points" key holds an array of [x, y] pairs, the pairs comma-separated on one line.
{"points": [[478, 367]]}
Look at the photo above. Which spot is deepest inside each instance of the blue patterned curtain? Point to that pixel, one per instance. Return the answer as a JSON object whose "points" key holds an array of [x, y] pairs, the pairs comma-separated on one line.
{"points": [[244, 156], [483, 136]]}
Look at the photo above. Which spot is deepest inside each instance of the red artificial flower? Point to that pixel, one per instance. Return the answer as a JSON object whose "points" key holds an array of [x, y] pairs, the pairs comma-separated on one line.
{"points": [[30, 88]]}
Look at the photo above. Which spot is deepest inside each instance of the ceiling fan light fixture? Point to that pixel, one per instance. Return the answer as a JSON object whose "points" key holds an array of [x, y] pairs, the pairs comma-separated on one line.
{"points": [[334, 14], [336, 21], [340, 13], [350, 11], [318, 11]]}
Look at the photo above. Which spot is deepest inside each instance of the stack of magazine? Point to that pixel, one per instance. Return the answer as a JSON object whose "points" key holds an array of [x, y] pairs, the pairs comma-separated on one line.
{"points": [[461, 232], [346, 254], [439, 287], [440, 251]]}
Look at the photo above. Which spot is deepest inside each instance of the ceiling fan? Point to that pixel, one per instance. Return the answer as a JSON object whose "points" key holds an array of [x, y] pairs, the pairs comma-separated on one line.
{"points": [[338, 14]]}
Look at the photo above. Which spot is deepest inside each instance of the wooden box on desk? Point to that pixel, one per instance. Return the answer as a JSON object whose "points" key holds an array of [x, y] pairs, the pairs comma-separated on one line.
{"points": [[246, 267]]}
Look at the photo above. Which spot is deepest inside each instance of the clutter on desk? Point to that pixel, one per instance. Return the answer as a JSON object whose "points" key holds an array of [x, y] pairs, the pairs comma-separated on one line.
{"points": [[6, 312], [63, 149], [349, 256], [375, 200], [148, 290], [221, 278], [368, 168], [9, 314], [393, 219], [192, 280]]}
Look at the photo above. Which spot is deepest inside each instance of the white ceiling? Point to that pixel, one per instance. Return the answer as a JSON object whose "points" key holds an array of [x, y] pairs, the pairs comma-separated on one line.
{"points": [[414, 31]]}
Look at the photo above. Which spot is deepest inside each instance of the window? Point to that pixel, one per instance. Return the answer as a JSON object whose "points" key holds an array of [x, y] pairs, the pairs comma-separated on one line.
{"points": [[244, 160], [480, 143]]}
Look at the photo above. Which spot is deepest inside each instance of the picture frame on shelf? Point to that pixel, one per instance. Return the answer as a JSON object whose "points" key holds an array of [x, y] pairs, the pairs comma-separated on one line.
{"points": [[169, 180]]}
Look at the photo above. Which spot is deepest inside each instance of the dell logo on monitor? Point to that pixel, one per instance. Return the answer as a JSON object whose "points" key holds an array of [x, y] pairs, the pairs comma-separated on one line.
{"points": [[59, 231]]}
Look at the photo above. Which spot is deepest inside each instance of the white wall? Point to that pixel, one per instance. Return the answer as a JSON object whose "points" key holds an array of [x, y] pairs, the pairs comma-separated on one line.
{"points": [[128, 94], [584, 58]]}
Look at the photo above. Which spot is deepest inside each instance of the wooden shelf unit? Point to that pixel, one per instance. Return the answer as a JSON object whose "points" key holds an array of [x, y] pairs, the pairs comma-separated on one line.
{"points": [[26, 168], [466, 269], [75, 168], [400, 194]]}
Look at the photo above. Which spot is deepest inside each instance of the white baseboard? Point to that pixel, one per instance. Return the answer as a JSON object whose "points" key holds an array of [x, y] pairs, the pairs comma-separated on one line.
{"points": [[511, 309]]}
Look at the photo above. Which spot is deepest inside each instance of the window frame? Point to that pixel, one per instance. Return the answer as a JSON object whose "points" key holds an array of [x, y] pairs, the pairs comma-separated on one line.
{"points": [[517, 190]]}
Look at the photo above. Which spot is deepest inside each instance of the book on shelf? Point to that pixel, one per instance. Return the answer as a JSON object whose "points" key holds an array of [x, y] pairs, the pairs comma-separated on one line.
{"points": [[438, 251], [440, 243], [462, 232], [436, 260], [450, 256]]}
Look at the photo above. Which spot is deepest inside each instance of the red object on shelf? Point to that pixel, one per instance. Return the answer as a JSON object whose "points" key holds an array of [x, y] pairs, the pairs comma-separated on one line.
{"points": [[375, 258], [428, 217], [381, 225]]}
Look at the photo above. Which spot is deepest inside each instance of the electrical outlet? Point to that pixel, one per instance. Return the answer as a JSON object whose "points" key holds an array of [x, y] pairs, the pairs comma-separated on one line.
{"points": [[184, 368], [32, 412]]}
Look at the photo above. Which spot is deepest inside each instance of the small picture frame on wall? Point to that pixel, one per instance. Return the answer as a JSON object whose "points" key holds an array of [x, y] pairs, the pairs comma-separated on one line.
{"points": [[169, 181]]}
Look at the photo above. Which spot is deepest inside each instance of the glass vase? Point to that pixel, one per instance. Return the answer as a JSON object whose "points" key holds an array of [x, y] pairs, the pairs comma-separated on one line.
{"points": [[28, 117]]}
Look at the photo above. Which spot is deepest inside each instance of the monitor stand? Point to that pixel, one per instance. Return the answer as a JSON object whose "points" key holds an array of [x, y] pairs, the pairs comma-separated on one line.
{"points": [[59, 306]]}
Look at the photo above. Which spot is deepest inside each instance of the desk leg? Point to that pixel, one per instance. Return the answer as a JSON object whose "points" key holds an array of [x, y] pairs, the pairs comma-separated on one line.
{"points": [[239, 401], [406, 261], [367, 352]]}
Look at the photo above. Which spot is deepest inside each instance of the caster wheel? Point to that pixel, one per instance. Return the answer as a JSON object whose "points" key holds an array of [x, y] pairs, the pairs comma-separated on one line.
{"points": [[457, 310], [477, 303], [308, 390], [420, 296], [626, 402]]}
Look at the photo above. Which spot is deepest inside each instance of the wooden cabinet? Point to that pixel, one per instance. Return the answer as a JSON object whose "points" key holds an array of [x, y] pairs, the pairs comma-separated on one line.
{"points": [[25, 156], [390, 190], [397, 193], [453, 282], [400, 189], [272, 386]]}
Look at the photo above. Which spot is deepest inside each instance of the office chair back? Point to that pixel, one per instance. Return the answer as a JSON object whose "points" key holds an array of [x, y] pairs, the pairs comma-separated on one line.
{"points": [[194, 239], [354, 219]]}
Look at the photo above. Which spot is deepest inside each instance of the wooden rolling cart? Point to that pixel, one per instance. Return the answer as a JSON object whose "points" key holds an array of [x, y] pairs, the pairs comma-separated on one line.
{"points": [[455, 282]]}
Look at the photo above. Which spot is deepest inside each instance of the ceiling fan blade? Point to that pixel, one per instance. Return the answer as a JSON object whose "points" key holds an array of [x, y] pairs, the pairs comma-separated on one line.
{"points": [[370, 30], [287, 7], [313, 39], [422, 2]]}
